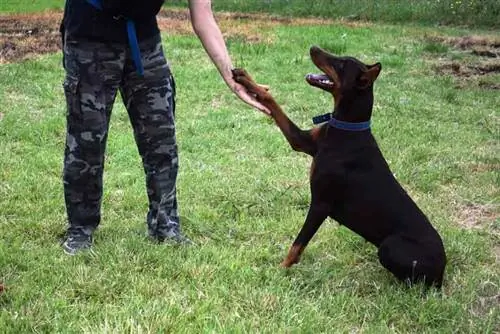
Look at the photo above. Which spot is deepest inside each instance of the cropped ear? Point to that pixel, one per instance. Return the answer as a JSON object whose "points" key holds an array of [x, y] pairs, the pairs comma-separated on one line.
{"points": [[369, 76]]}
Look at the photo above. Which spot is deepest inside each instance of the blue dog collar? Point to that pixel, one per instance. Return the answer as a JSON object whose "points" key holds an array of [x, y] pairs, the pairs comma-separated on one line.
{"points": [[132, 39], [361, 126], [348, 126]]}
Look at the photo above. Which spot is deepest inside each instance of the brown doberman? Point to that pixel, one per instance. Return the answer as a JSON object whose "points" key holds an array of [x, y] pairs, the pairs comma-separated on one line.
{"points": [[350, 180]]}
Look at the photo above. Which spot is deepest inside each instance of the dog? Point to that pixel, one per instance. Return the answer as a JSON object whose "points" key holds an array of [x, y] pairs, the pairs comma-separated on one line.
{"points": [[350, 180]]}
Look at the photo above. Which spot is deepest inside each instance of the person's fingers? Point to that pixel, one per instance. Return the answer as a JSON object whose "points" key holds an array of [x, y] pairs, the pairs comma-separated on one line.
{"points": [[250, 101], [266, 87], [247, 97]]}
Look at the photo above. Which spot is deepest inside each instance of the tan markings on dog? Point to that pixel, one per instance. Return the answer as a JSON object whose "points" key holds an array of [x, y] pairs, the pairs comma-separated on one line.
{"points": [[337, 96], [311, 170], [329, 71], [293, 256], [315, 132], [263, 96]]}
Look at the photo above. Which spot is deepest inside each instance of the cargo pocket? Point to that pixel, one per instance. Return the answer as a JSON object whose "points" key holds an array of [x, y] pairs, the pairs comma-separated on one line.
{"points": [[71, 91]]}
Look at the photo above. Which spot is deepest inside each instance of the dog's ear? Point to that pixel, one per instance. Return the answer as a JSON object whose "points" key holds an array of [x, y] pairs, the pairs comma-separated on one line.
{"points": [[369, 76]]}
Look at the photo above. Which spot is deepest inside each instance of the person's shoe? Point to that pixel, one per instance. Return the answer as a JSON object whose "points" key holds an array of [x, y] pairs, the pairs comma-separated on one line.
{"points": [[176, 238], [75, 243], [170, 237]]}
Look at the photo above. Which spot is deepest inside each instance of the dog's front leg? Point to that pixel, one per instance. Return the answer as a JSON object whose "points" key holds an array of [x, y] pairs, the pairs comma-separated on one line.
{"points": [[315, 217], [299, 140]]}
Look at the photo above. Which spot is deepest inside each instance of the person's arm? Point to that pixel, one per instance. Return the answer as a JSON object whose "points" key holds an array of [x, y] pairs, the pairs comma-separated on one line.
{"points": [[208, 32]]}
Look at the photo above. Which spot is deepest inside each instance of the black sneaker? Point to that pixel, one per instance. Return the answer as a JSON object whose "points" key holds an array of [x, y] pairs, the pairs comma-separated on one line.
{"points": [[176, 238], [75, 243], [170, 237], [168, 231]]}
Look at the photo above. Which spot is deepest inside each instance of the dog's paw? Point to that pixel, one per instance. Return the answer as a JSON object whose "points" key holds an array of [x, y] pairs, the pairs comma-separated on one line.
{"points": [[287, 263], [241, 76], [239, 72], [257, 91]]}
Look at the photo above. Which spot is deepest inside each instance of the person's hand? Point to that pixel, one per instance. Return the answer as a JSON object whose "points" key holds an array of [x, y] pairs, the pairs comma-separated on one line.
{"points": [[243, 94], [207, 30]]}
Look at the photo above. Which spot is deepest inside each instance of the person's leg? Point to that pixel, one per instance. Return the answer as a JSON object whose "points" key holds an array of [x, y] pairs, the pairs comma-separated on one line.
{"points": [[150, 102], [93, 74]]}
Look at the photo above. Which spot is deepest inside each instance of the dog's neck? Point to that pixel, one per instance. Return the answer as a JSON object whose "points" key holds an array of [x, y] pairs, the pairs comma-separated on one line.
{"points": [[349, 126], [355, 107]]}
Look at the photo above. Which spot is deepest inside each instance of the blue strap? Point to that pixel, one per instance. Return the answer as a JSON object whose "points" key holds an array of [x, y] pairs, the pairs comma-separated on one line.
{"points": [[361, 126], [96, 3], [349, 126], [132, 39], [134, 47]]}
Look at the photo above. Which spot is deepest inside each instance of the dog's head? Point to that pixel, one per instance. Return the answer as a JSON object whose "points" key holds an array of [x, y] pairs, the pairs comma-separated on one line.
{"points": [[344, 77]]}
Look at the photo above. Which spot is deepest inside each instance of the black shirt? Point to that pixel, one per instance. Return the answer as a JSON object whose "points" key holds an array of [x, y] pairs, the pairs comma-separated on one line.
{"points": [[82, 20]]}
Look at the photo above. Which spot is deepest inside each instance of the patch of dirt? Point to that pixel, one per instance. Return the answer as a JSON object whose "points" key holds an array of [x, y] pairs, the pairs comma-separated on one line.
{"points": [[484, 46], [486, 53], [241, 26], [23, 36], [489, 85], [472, 215], [27, 35], [488, 299], [496, 252], [484, 167], [468, 42], [467, 70], [481, 74]]}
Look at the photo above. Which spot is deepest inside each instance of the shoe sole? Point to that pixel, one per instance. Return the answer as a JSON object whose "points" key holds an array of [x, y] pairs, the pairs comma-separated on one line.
{"points": [[73, 251]]}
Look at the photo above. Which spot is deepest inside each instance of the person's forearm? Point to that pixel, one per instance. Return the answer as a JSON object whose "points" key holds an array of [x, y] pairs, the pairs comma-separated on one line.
{"points": [[208, 32]]}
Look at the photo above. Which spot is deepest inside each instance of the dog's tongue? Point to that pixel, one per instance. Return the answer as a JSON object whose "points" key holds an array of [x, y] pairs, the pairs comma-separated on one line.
{"points": [[319, 79]]}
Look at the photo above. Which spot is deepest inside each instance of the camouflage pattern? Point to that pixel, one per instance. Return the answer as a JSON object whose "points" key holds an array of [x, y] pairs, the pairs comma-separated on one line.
{"points": [[94, 73]]}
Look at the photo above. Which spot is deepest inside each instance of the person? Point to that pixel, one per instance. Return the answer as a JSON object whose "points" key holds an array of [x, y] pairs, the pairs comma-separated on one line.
{"points": [[111, 45]]}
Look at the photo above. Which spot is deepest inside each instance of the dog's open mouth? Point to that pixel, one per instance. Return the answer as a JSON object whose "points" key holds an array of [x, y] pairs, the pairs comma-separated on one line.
{"points": [[320, 80]]}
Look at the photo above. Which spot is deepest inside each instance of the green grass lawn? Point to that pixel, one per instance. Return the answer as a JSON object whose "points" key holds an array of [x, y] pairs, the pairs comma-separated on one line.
{"points": [[244, 194], [479, 13], [27, 6]]}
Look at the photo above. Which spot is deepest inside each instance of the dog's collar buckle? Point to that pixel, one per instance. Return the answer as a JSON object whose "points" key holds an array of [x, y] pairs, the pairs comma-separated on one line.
{"points": [[322, 118]]}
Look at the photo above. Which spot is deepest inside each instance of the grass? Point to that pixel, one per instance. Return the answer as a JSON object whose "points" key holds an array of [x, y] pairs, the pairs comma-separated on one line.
{"points": [[474, 13], [27, 6], [243, 194]]}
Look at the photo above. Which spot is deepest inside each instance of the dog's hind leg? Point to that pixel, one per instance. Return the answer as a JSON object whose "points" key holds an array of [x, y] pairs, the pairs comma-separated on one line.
{"points": [[315, 217], [410, 261]]}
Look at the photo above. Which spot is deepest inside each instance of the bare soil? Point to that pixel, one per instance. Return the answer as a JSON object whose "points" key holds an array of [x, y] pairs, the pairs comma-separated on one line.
{"points": [[480, 71], [24, 36], [472, 215]]}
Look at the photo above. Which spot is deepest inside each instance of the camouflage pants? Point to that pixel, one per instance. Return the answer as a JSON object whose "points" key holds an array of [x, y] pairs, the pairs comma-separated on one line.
{"points": [[94, 73]]}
